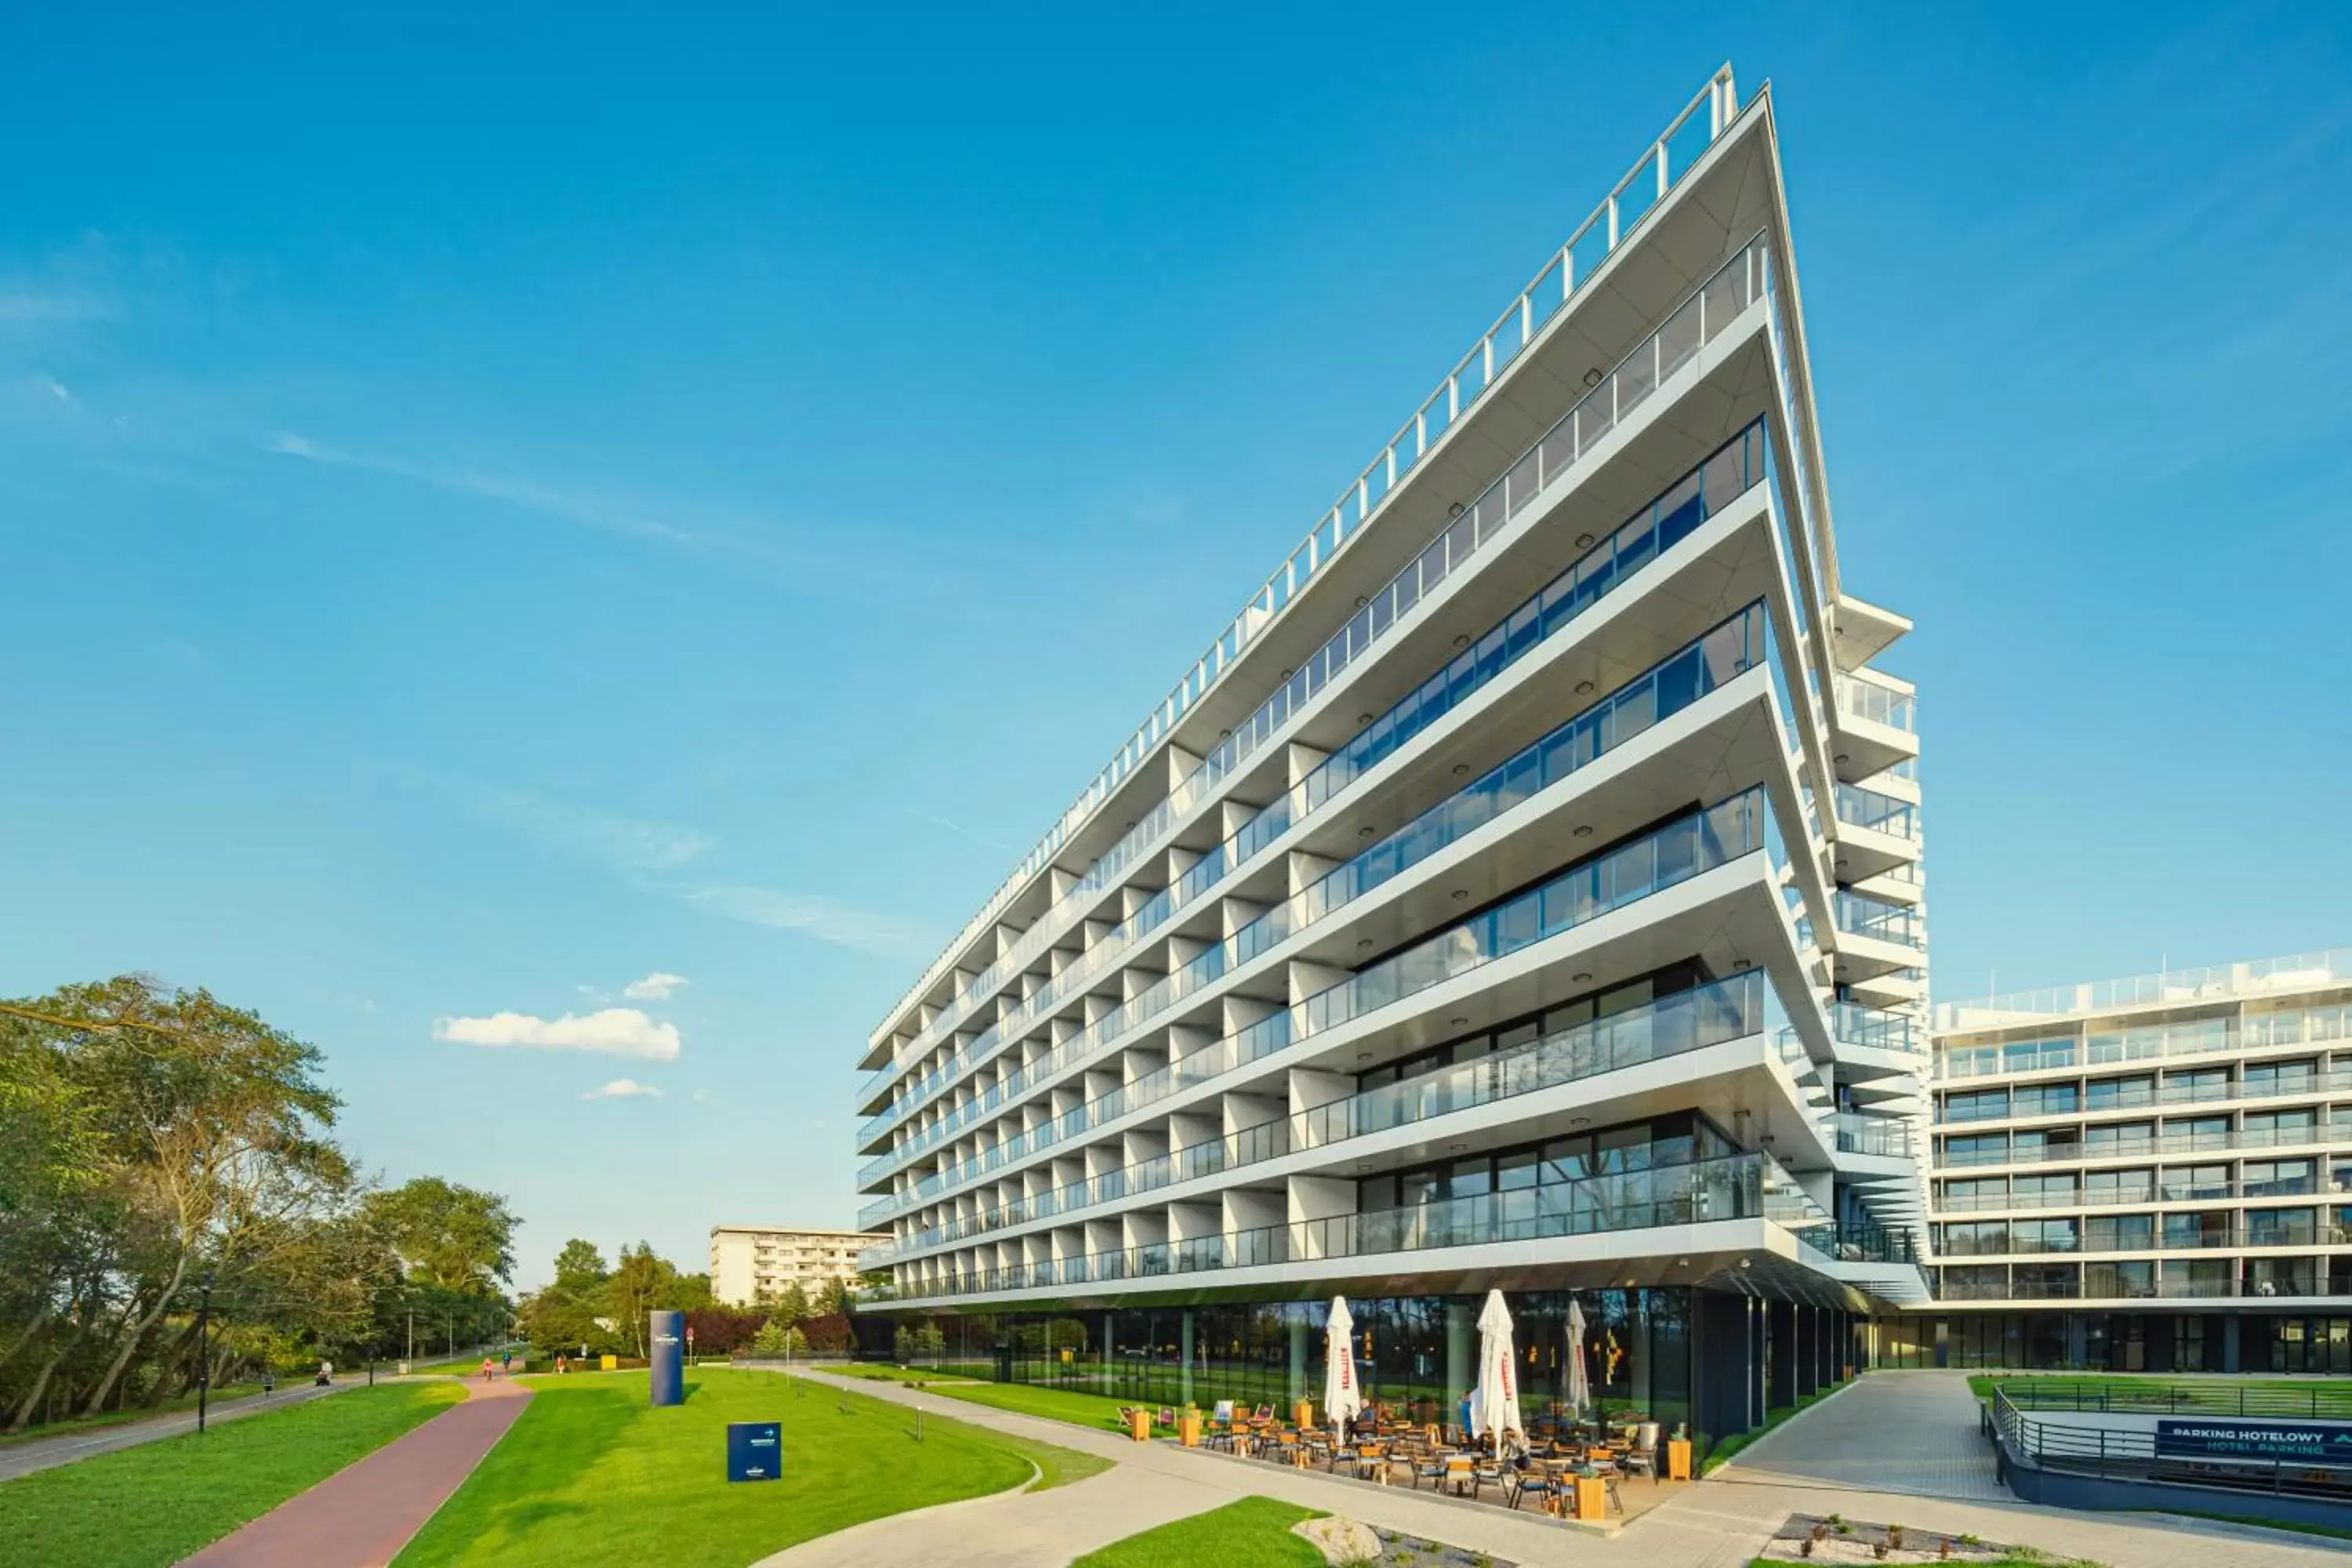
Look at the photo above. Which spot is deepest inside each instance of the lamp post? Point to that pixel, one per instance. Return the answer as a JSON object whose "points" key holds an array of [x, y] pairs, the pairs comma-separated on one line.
{"points": [[203, 1347]]}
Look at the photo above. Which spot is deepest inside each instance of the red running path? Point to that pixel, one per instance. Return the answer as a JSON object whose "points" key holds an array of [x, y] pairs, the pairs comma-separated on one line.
{"points": [[361, 1516]]}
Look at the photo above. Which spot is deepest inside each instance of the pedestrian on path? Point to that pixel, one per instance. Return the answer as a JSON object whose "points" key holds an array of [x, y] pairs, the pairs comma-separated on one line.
{"points": [[489, 1369], [326, 1373], [563, 1366], [510, 1363]]}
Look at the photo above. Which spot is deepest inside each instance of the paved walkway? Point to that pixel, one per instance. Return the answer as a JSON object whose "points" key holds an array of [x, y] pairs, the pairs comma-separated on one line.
{"points": [[45, 1453], [361, 1516], [1893, 1447]]}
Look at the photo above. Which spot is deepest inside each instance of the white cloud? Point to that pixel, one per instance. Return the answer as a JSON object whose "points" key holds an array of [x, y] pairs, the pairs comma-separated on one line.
{"points": [[623, 1088], [658, 986], [58, 389], [615, 1032], [622, 843], [812, 914], [701, 1097]]}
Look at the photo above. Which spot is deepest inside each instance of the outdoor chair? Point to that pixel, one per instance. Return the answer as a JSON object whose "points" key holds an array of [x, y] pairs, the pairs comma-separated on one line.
{"points": [[1167, 1416], [1534, 1480]]}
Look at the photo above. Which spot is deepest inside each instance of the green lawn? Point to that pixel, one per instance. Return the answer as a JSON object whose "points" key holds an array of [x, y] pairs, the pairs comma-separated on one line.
{"points": [[1099, 1411], [591, 1474], [153, 1505], [137, 1411], [1252, 1533], [874, 1371]]}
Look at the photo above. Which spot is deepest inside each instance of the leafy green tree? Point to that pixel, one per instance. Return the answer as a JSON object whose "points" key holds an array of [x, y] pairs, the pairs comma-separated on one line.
{"points": [[580, 1267], [771, 1341], [458, 1238], [792, 1306]]}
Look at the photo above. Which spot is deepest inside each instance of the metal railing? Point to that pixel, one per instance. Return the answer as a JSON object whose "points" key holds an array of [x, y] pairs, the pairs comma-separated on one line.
{"points": [[2124, 1454], [2166, 987], [1672, 155]]}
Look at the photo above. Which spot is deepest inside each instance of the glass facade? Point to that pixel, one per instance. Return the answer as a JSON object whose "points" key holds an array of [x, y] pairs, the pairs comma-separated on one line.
{"points": [[2117, 1341], [1418, 1353]]}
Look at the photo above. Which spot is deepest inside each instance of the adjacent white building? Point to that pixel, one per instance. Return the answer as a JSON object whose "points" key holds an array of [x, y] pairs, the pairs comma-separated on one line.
{"points": [[2146, 1175], [752, 1261], [1523, 890]]}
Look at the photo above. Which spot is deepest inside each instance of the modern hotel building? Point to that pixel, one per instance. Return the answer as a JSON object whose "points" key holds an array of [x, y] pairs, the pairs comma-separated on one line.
{"points": [[1523, 891], [2148, 1174]]}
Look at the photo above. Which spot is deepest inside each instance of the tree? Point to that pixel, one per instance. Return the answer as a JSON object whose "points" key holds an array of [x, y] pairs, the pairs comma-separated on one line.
{"points": [[455, 1237], [833, 1296], [770, 1342], [213, 1124], [580, 1267], [829, 1335], [641, 1282], [793, 1307]]}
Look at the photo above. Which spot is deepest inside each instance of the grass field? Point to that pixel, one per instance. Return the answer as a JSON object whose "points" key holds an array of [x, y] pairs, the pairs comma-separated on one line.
{"points": [[592, 1475], [1099, 1411], [136, 1413], [1252, 1533], [874, 1371], [153, 1505]]}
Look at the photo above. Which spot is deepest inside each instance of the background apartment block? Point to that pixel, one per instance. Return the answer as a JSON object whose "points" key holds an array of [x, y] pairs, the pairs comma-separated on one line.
{"points": [[1523, 891], [748, 1262], [2146, 1175]]}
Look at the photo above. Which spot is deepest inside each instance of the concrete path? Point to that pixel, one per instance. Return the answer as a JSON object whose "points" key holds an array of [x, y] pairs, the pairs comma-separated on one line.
{"points": [[45, 1453], [361, 1516], [1873, 1451]]}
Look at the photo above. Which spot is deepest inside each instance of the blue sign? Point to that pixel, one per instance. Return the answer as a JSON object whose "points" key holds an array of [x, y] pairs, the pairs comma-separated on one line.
{"points": [[666, 1348], [755, 1450], [2315, 1441]]}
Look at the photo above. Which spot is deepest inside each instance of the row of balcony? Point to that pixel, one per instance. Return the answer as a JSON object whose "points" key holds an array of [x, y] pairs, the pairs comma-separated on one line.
{"points": [[2031, 1238], [1577, 896], [2136, 1281], [1708, 1014], [2226, 1036], [2113, 1099], [1677, 681], [1677, 511], [2138, 1148], [1739, 1187], [2151, 1191], [1705, 314]]}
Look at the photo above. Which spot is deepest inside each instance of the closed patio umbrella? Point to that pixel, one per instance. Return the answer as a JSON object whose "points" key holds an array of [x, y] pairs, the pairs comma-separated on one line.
{"points": [[1579, 1386], [1342, 1399], [1494, 1406]]}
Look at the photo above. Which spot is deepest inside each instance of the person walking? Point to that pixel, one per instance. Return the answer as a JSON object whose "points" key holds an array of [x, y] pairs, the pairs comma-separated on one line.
{"points": [[489, 1369], [326, 1373], [510, 1363], [561, 1366]]}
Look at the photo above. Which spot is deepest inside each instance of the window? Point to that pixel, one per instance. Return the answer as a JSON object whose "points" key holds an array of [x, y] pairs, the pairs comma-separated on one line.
{"points": [[2193, 1181], [2266, 1127], [1976, 1238], [2281, 1227], [2280, 1178], [2119, 1282], [1984, 1193], [2119, 1137], [2053, 1143], [2282, 1077], [2047, 1100], [2195, 1134], [2199, 1230], [1983, 1149], [2119, 1233], [2202, 1083], [2113, 1093], [2045, 1192], [2045, 1235], [2118, 1186], [1983, 1105], [1968, 1061]]}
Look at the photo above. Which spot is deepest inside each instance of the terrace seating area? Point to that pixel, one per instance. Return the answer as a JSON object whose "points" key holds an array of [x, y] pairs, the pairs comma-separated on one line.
{"points": [[1563, 1465]]}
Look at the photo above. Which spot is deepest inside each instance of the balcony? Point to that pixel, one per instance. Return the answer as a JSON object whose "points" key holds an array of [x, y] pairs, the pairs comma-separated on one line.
{"points": [[2172, 987], [1711, 1015], [1613, 880], [1682, 679], [1729, 1188], [1644, 189], [1726, 474], [1877, 833]]}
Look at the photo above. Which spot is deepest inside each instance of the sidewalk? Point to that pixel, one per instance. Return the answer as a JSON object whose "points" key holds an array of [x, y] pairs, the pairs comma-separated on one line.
{"points": [[361, 1516], [45, 1453]]}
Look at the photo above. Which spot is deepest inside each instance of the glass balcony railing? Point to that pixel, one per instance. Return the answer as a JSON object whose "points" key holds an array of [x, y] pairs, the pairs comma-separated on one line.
{"points": [[1666, 857], [1690, 1020], [1878, 704], [1860, 808], [1681, 678], [1877, 1028], [1730, 470], [1858, 1133], [1728, 1188], [1897, 923], [1666, 161], [2134, 1097]]}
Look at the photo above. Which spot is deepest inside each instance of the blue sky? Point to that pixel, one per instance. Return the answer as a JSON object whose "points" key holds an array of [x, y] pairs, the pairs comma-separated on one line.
{"points": [[501, 505]]}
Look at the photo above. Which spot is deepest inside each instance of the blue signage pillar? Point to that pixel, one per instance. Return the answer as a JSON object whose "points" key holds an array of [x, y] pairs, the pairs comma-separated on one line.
{"points": [[668, 1342]]}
